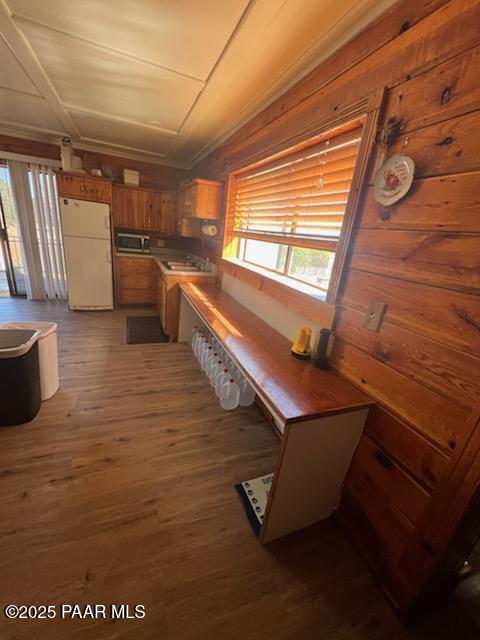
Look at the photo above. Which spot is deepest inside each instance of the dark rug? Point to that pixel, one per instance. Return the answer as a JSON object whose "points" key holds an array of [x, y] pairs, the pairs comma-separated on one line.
{"points": [[144, 329]]}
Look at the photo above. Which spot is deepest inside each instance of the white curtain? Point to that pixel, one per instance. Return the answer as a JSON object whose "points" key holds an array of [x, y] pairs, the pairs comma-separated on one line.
{"points": [[36, 206], [43, 188]]}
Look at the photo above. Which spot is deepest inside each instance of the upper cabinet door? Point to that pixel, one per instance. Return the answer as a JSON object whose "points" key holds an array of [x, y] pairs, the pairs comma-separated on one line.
{"points": [[145, 206], [181, 204], [200, 199], [132, 207], [99, 191], [165, 212], [84, 188]]}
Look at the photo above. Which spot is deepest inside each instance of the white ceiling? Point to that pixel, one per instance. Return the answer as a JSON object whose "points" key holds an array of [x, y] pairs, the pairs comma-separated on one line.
{"points": [[159, 80]]}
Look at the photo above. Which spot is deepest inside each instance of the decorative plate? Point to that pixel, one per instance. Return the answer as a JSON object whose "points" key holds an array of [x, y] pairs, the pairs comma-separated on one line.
{"points": [[393, 179]]}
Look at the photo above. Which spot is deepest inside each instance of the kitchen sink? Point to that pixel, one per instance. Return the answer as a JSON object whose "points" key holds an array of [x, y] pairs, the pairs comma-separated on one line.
{"points": [[173, 265]]}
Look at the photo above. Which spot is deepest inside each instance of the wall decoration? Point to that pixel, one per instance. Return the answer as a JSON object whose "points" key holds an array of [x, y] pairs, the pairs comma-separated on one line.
{"points": [[393, 180]]}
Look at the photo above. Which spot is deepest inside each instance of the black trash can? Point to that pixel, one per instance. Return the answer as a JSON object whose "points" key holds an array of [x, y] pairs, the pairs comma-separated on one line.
{"points": [[19, 376]]}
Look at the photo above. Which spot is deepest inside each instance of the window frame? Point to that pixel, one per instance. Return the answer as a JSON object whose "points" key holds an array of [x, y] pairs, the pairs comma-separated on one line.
{"points": [[366, 112], [285, 273]]}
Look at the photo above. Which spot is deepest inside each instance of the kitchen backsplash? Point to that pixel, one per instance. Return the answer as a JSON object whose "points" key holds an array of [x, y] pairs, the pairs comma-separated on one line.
{"points": [[191, 245]]}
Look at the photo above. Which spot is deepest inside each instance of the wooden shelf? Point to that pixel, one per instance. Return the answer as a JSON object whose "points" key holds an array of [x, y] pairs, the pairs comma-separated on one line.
{"points": [[296, 390]]}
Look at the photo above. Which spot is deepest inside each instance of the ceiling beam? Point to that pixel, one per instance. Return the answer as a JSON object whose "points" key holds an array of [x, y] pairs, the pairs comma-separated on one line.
{"points": [[107, 116]]}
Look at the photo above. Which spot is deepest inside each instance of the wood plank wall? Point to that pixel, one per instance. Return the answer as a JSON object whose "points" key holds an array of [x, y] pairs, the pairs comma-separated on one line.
{"points": [[420, 256], [152, 175]]}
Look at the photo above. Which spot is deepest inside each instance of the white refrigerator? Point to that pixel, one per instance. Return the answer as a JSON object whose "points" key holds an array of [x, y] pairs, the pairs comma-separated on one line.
{"points": [[88, 253]]}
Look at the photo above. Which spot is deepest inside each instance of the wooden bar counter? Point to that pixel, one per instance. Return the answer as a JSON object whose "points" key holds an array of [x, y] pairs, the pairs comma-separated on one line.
{"points": [[295, 388], [319, 414]]}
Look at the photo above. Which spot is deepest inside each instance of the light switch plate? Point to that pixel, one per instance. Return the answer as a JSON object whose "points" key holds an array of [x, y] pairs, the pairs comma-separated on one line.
{"points": [[374, 316]]}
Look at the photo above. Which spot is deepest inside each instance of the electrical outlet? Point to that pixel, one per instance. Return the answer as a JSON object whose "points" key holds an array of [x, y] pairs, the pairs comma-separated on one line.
{"points": [[374, 316]]}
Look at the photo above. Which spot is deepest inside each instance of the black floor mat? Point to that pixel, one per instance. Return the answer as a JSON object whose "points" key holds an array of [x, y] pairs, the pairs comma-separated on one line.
{"points": [[144, 329]]}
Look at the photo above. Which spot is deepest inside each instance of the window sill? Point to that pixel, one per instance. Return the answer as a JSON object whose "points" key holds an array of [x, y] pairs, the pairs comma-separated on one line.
{"points": [[296, 285], [298, 296]]}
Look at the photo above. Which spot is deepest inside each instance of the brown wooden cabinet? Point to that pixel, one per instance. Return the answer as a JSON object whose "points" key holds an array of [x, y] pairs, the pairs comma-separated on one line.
{"points": [[84, 187], [200, 198], [134, 280], [133, 207], [176, 213], [185, 226], [161, 299], [165, 212], [167, 298]]}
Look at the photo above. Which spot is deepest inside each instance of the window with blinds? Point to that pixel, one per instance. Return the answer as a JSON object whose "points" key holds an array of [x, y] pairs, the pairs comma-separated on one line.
{"points": [[286, 213], [300, 198]]}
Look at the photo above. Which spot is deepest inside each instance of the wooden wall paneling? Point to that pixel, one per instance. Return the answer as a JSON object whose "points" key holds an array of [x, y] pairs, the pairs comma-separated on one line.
{"points": [[451, 499], [419, 256], [152, 175], [450, 260], [450, 317], [401, 488], [29, 147], [446, 32], [443, 203], [361, 532], [450, 146], [453, 374], [446, 91], [460, 546], [386, 28], [410, 450], [436, 418], [386, 518]]}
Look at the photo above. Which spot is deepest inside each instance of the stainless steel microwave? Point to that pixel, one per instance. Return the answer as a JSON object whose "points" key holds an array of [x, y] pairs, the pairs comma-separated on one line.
{"points": [[133, 243]]}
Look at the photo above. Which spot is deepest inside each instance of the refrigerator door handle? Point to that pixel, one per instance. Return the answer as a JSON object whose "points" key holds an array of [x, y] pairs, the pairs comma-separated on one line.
{"points": [[107, 221], [109, 255]]}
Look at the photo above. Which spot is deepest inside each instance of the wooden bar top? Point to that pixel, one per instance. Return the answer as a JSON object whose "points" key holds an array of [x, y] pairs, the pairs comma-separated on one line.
{"points": [[296, 389]]}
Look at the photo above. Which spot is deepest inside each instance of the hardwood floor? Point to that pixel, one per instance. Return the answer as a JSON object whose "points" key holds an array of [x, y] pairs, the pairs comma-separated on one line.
{"points": [[121, 491]]}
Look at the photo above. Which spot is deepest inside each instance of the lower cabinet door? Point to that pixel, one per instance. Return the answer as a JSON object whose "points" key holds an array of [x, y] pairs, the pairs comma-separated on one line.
{"points": [[134, 296], [162, 303]]}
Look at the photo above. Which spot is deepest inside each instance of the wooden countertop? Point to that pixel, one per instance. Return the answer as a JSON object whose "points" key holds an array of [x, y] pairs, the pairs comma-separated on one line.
{"points": [[296, 389]]}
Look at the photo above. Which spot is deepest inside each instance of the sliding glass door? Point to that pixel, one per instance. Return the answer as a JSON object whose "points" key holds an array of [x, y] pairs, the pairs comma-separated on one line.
{"points": [[12, 272]]}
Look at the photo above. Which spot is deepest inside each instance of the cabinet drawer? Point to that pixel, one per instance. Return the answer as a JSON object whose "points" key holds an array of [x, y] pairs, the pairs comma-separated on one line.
{"points": [[134, 280]]}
